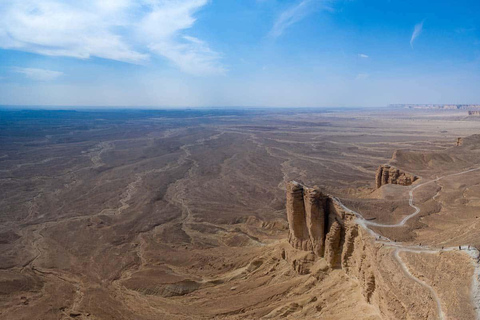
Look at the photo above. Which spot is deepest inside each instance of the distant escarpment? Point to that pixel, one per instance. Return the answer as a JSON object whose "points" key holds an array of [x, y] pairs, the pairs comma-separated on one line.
{"points": [[387, 174], [474, 113], [437, 106]]}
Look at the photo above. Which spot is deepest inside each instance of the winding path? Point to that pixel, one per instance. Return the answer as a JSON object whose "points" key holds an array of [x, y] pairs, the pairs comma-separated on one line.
{"points": [[474, 253]]}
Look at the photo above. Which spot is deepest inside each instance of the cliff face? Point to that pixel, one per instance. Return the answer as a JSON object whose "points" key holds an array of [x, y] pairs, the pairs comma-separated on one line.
{"points": [[390, 175], [315, 222], [330, 238], [474, 113], [318, 224]]}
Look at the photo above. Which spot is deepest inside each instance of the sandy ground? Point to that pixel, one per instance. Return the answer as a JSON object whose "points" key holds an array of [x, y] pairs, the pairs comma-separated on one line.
{"points": [[181, 216]]}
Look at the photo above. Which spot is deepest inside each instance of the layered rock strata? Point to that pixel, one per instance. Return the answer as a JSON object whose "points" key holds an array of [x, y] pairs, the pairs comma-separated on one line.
{"points": [[315, 222], [387, 174], [347, 247]]}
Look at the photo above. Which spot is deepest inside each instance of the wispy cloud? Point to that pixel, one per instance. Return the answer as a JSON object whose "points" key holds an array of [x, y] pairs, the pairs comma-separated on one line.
{"points": [[124, 30], [416, 32], [191, 55], [363, 56], [293, 15], [38, 74]]}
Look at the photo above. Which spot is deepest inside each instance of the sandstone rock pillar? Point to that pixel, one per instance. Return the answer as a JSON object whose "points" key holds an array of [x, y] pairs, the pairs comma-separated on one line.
{"points": [[315, 206], [393, 175], [378, 177], [298, 236], [385, 174]]}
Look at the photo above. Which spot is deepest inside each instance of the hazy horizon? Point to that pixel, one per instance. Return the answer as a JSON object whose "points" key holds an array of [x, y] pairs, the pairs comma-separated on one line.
{"points": [[20, 107]]}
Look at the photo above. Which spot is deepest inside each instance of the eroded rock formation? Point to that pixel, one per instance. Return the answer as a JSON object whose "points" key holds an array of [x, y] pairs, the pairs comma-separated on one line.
{"points": [[298, 235], [315, 222], [459, 142], [474, 113], [387, 174], [349, 248]]}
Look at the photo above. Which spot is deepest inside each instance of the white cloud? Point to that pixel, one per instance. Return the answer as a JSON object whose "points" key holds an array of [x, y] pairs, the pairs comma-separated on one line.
{"points": [[416, 32], [38, 74], [191, 56], [362, 55], [292, 15], [123, 30]]}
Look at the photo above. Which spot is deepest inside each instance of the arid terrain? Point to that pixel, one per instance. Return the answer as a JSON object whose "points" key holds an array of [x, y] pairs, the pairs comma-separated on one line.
{"points": [[183, 214]]}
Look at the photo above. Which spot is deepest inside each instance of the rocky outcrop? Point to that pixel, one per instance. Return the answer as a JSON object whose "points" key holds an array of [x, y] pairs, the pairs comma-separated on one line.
{"points": [[322, 229], [315, 222], [349, 244], [474, 113], [315, 217], [459, 142], [299, 237], [318, 222], [387, 174], [332, 244]]}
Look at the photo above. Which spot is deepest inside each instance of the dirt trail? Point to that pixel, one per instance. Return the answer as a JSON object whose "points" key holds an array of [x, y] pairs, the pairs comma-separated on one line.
{"points": [[405, 269], [411, 202], [474, 253]]}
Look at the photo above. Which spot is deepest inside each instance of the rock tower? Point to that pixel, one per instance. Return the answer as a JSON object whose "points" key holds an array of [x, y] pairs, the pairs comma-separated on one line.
{"points": [[316, 223], [387, 174]]}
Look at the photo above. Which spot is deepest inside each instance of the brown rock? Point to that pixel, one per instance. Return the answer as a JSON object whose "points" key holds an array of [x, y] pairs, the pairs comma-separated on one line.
{"points": [[378, 177], [299, 236], [386, 174], [351, 234], [332, 244], [316, 223], [315, 207]]}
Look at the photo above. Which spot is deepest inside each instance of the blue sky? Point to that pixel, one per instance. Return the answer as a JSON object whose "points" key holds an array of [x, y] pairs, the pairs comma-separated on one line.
{"points": [[178, 53]]}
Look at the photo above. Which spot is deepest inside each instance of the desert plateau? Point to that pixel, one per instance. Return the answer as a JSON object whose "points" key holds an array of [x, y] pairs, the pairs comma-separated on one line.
{"points": [[239, 214], [239, 160]]}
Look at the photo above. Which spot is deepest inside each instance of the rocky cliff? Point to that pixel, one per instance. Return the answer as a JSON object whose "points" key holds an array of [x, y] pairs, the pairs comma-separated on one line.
{"points": [[318, 224], [328, 239], [387, 174], [315, 222], [474, 113]]}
